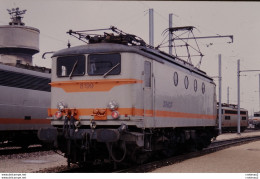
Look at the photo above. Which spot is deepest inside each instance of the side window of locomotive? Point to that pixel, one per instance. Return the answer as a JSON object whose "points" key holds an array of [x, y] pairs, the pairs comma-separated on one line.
{"points": [[203, 88], [71, 65], [186, 82], [227, 117], [100, 64], [195, 85], [147, 74], [175, 78], [243, 112]]}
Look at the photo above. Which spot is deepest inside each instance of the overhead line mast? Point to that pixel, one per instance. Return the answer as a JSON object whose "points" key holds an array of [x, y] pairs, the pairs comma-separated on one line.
{"points": [[187, 30]]}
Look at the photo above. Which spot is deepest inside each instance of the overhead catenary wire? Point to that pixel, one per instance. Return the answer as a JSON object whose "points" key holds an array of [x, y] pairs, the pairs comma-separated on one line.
{"points": [[203, 44]]}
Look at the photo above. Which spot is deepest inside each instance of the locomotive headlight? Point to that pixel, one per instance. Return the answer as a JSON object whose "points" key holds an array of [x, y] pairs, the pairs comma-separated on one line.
{"points": [[61, 106], [115, 114], [112, 105], [58, 115]]}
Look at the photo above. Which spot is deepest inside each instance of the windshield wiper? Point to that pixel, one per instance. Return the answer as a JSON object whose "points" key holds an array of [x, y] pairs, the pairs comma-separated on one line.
{"points": [[75, 64], [105, 74]]}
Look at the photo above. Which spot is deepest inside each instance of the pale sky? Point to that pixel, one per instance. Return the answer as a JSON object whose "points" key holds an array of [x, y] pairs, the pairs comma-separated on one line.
{"points": [[240, 19]]}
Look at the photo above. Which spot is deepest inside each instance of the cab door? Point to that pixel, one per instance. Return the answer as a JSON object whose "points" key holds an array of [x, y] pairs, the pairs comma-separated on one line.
{"points": [[148, 94]]}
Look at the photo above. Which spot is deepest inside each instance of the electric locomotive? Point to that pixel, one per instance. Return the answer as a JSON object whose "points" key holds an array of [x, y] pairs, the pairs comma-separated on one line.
{"points": [[118, 98], [229, 118], [256, 120]]}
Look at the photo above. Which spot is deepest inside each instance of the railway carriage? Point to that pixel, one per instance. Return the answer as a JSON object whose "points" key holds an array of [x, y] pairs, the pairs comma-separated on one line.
{"points": [[24, 101], [229, 118], [118, 99]]}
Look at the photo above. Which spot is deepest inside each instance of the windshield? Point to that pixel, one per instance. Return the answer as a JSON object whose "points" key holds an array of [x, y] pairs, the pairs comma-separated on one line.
{"points": [[99, 64], [71, 66]]}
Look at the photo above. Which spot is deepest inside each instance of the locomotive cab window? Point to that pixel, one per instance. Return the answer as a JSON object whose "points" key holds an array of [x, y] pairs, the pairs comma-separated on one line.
{"points": [[71, 66], [104, 64]]}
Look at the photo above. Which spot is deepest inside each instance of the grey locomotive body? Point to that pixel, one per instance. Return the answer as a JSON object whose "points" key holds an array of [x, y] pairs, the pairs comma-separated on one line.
{"points": [[122, 101], [255, 120]]}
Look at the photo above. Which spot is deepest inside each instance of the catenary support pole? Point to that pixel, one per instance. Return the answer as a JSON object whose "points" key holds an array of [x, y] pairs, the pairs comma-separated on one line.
{"points": [[259, 92], [151, 28], [228, 95], [238, 97], [219, 100]]}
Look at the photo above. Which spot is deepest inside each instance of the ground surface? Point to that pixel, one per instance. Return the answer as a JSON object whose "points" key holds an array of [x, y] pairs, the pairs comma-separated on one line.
{"points": [[239, 159], [244, 158]]}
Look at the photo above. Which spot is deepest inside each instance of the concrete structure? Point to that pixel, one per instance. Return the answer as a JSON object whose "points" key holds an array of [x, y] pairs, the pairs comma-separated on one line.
{"points": [[18, 43]]}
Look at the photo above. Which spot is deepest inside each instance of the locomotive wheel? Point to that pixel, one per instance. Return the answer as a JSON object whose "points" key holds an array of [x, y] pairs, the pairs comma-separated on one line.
{"points": [[168, 152], [191, 146], [138, 156], [169, 149], [205, 139], [117, 151], [25, 146]]}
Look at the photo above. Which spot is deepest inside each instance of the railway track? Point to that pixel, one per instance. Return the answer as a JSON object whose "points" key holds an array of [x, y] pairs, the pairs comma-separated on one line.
{"points": [[110, 168], [214, 147], [11, 150]]}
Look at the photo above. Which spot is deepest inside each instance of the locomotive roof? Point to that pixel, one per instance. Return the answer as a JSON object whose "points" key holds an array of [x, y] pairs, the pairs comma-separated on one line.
{"points": [[229, 106], [232, 108], [28, 70], [142, 50]]}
